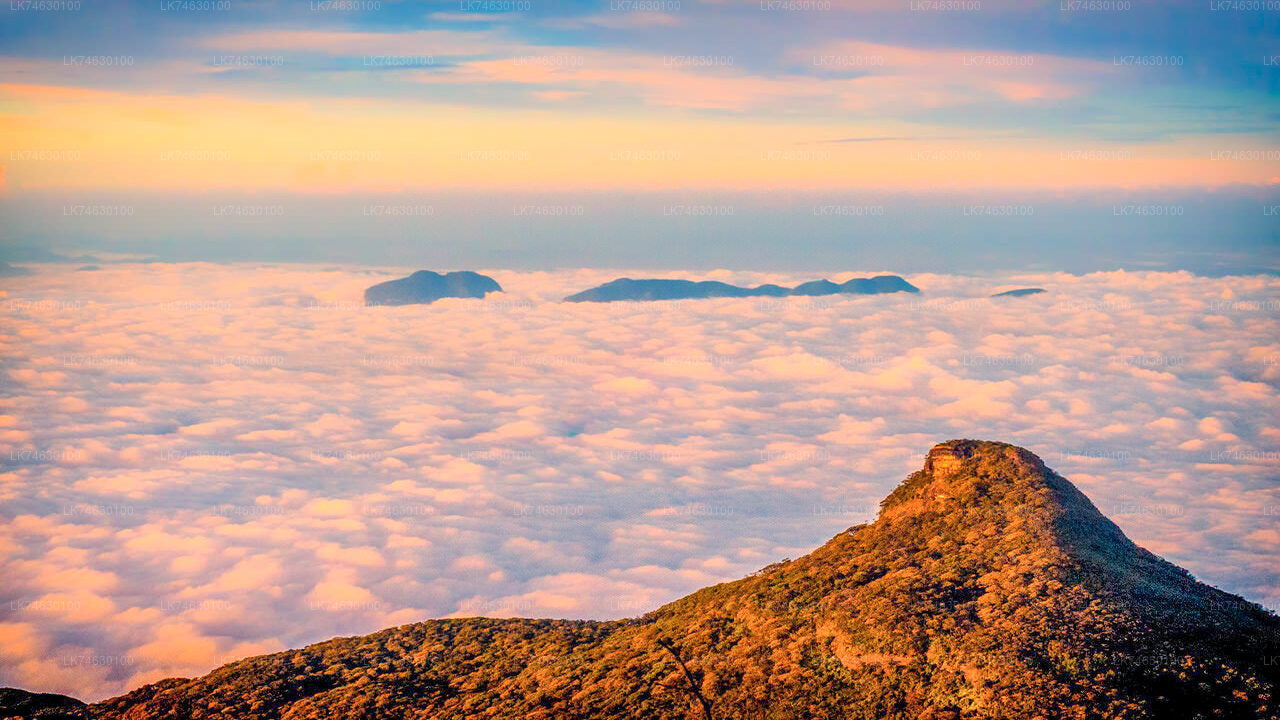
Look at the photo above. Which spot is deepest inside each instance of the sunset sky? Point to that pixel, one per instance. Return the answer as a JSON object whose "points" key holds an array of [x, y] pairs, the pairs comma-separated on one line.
{"points": [[382, 95], [279, 124]]}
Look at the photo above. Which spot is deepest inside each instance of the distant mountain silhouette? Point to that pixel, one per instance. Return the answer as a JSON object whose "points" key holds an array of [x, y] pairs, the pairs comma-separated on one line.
{"points": [[26, 253], [7, 270], [989, 588], [661, 289], [1020, 292], [426, 286]]}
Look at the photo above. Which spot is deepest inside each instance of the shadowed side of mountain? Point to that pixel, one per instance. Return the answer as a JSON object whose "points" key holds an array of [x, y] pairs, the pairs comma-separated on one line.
{"points": [[988, 588], [663, 289], [426, 286], [16, 703]]}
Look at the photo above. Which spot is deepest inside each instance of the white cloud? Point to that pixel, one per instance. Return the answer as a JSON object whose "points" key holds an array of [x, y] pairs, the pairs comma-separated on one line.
{"points": [[173, 501]]}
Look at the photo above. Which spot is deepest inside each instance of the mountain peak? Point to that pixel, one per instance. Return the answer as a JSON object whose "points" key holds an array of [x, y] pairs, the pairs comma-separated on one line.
{"points": [[427, 286], [949, 457], [966, 473]]}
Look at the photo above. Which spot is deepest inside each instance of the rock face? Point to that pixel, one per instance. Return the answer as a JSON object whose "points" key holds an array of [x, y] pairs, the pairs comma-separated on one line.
{"points": [[426, 286], [946, 458], [989, 588], [1020, 292], [661, 289]]}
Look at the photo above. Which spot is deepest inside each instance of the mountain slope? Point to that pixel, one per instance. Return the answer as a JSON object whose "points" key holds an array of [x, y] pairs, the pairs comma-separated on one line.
{"points": [[989, 587], [46, 706]]}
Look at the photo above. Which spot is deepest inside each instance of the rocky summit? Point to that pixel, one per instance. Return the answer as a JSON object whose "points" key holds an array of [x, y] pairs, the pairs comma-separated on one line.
{"points": [[988, 588]]}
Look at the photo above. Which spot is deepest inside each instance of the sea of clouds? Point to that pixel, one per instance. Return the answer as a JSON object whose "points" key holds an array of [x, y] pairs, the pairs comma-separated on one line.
{"points": [[200, 462]]}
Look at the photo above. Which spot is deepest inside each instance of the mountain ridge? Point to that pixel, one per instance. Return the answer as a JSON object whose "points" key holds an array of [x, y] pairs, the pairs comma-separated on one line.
{"points": [[427, 286], [667, 289], [987, 587]]}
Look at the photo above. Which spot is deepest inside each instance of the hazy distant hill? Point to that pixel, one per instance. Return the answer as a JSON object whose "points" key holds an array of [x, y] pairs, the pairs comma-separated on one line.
{"points": [[1020, 292], [988, 587], [426, 286], [659, 289], [7, 270]]}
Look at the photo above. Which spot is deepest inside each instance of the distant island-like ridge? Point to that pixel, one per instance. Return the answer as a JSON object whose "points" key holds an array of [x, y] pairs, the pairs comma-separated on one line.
{"points": [[988, 588], [1020, 292], [665, 289], [426, 286], [7, 270]]}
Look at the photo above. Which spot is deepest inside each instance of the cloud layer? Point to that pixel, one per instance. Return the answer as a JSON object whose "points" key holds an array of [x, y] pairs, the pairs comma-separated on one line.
{"points": [[202, 462]]}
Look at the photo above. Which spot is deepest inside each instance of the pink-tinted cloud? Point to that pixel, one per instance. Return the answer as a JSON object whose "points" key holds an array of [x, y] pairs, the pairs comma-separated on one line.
{"points": [[187, 482]]}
